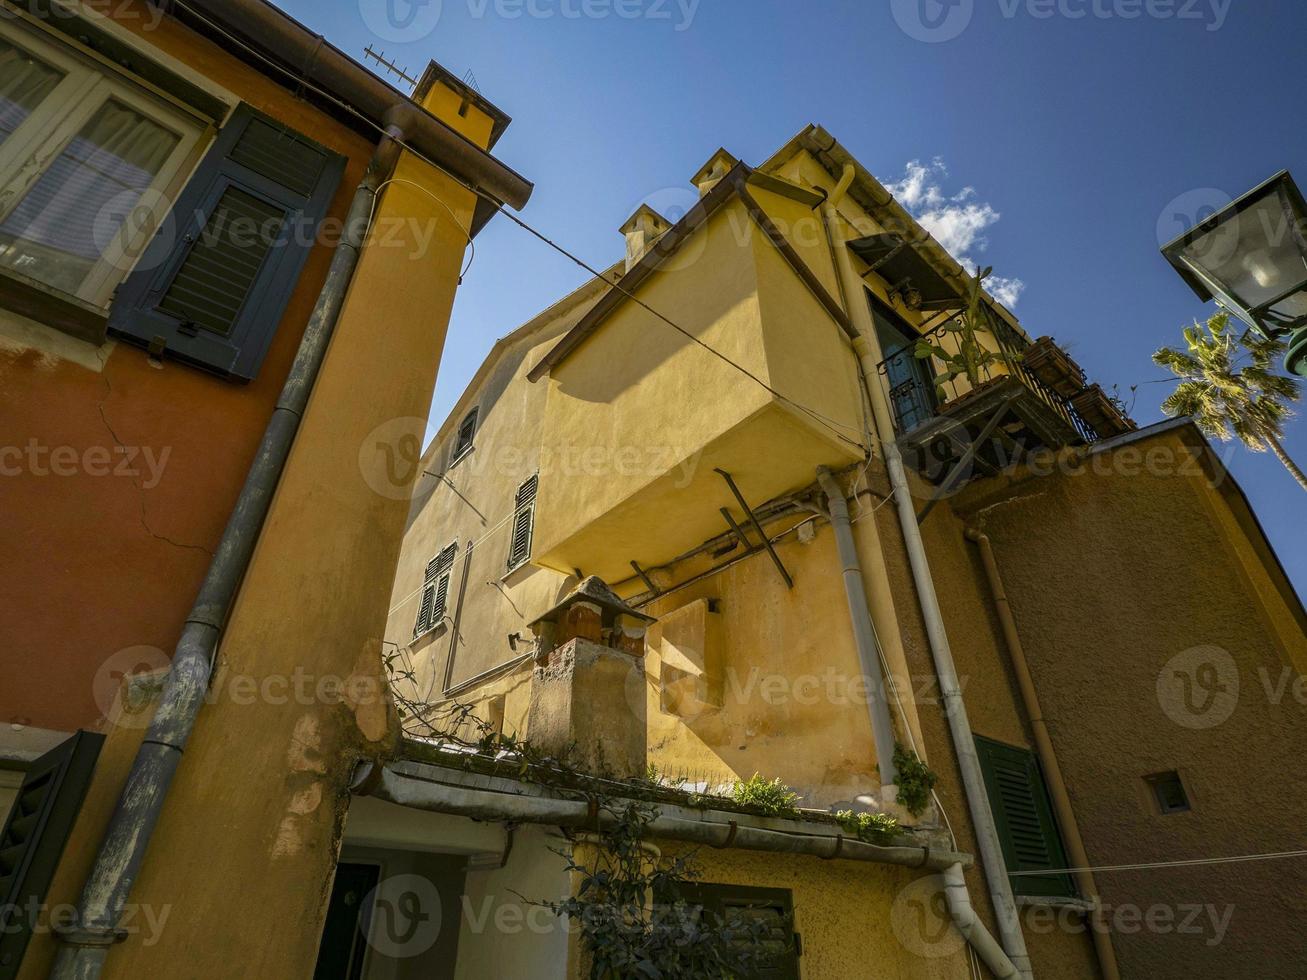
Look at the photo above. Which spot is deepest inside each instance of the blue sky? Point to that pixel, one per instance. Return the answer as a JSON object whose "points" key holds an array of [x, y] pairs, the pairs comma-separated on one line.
{"points": [[1086, 129]]}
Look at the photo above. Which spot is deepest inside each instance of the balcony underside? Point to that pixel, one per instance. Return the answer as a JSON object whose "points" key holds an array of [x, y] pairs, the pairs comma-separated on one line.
{"points": [[992, 426]]}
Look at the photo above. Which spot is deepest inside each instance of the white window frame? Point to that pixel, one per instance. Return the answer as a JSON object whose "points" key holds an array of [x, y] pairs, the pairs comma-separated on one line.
{"points": [[42, 137]]}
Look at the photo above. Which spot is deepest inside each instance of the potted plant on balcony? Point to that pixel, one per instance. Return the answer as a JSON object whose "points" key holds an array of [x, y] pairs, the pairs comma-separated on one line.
{"points": [[1102, 411], [1054, 367], [971, 359]]}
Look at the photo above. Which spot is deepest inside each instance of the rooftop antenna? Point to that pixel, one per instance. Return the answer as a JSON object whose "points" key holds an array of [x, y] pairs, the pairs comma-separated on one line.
{"points": [[390, 66], [471, 80]]}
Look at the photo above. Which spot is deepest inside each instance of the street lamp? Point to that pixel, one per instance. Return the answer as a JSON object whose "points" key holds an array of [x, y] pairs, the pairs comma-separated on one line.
{"points": [[1252, 258]]}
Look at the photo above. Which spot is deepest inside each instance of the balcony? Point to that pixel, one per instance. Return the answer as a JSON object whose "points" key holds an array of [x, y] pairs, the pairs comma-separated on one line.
{"points": [[1034, 396]]}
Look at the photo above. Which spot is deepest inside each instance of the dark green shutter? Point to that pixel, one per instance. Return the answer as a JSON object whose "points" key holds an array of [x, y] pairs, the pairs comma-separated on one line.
{"points": [[772, 908], [214, 284], [519, 547], [467, 432], [435, 590], [34, 836], [1024, 817]]}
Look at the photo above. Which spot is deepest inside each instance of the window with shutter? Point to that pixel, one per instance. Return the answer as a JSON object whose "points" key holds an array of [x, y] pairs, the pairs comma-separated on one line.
{"points": [[85, 155], [467, 432], [435, 591], [1024, 816], [212, 287], [524, 515], [771, 908], [34, 837]]}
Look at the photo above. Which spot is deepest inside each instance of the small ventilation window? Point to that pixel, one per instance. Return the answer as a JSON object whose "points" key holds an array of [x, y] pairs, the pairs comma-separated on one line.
{"points": [[1169, 792], [467, 432]]}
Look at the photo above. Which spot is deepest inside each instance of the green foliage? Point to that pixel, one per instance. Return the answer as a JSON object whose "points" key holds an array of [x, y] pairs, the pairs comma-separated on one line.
{"points": [[915, 781], [1225, 400], [634, 921], [773, 798], [872, 828], [964, 356]]}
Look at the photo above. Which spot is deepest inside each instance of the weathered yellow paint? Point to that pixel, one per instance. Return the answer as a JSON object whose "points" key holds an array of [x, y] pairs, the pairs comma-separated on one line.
{"points": [[854, 920], [784, 677], [257, 807], [638, 386]]}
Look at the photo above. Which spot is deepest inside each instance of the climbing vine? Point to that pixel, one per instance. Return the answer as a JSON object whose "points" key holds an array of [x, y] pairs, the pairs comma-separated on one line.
{"points": [[634, 920], [630, 905]]}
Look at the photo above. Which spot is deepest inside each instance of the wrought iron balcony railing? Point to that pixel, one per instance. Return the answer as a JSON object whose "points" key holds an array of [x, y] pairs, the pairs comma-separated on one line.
{"points": [[917, 400]]}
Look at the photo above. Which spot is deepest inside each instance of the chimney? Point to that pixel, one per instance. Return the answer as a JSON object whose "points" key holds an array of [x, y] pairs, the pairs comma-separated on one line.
{"points": [[712, 172], [588, 687], [642, 229]]}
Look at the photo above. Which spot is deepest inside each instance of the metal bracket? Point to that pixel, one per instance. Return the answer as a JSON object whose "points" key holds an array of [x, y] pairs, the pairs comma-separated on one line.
{"points": [[648, 582], [757, 526], [965, 459]]}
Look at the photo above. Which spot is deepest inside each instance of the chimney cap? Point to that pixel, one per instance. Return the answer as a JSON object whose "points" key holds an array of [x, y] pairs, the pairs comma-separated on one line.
{"points": [[719, 165], [595, 591], [644, 211]]}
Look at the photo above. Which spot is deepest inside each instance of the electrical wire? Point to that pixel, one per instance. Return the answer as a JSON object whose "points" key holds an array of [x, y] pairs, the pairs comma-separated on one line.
{"points": [[1151, 865], [457, 561], [825, 421], [376, 199]]}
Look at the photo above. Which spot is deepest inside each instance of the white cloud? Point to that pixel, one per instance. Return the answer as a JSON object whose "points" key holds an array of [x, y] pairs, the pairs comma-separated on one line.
{"points": [[957, 221]]}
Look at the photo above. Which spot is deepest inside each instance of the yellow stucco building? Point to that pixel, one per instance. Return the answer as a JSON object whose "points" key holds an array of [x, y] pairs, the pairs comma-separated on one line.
{"points": [[711, 430], [707, 517]]}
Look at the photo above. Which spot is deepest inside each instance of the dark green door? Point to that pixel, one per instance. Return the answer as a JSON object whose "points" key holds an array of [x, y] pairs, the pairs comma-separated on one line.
{"points": [[344, 945]]}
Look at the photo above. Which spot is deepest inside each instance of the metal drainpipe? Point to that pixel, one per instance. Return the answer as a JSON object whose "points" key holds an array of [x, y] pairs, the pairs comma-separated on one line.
{"points": [[1066, 816], [86, 944], [864, 631], [869, 352]]}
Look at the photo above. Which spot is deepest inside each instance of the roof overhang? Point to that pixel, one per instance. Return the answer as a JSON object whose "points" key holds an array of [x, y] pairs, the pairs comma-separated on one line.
{"points": [[872, 196], [735, 185], [901, 264], [302, 61]]}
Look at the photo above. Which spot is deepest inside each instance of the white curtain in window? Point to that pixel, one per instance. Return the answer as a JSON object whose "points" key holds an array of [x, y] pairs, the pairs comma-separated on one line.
{"points": [[24, 84], [61, 227]]}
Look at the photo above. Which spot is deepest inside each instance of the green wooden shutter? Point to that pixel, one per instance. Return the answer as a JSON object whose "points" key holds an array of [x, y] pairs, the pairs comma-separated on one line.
{"points": [[771, 908], [435, 590], [34, 836], [212, 287], [519, 547], [1024, 817]]}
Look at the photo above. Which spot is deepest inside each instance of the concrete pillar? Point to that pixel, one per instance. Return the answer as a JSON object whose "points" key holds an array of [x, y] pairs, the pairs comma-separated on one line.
{"points": [[580, 709], [247, 843]]}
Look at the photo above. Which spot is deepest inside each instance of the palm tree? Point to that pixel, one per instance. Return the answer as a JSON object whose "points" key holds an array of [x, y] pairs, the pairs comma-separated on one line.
{"points": [[1225, 401]]}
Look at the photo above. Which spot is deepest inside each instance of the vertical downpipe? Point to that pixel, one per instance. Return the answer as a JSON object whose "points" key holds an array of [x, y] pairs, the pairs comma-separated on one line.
{"points": [[85, 945], [864, 631], [868, 349]]}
